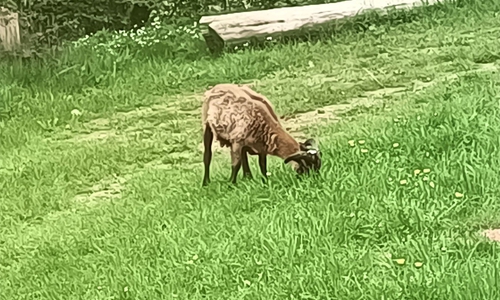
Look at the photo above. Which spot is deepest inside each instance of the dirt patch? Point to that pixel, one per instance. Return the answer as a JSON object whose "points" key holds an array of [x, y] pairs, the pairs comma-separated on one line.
{"points": [[99, 123], [492, 234], [93, 136], [159, 165], [420, 85], [327, 114], [159, 109], [332, 113], [302, 78], [386, 91], [122, 123], [113, 188], [105, 189]]}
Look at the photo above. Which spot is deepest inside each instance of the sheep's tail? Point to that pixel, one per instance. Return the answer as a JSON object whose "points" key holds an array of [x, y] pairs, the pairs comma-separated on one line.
{"points": [[204, 113], [207, 96]]}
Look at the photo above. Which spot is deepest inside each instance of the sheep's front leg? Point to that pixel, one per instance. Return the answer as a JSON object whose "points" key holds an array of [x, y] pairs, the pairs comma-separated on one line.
{"points": [[244, 163], [263, 166], [235, 161]]}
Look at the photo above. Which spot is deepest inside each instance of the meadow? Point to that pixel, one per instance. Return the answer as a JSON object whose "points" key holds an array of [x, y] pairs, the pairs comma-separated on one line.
{"points": [[101, 167]]}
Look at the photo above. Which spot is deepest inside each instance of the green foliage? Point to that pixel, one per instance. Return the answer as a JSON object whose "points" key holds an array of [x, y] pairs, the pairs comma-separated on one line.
{"points": [[156, 39], [50, 22]]}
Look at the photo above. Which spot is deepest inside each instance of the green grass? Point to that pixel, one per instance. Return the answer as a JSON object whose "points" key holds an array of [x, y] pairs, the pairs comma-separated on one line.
{"points": [[109, 204]]}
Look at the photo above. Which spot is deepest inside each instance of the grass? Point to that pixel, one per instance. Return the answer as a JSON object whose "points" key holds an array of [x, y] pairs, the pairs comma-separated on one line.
{"points": [[108, 204]]}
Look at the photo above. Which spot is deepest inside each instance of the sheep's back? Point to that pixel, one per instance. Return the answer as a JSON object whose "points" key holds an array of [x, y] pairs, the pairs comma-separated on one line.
{"points": [[233, 119], [234, 115]]}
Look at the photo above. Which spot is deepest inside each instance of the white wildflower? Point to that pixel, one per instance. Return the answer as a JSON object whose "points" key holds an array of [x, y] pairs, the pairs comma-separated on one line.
{"points": [[75, 112]]}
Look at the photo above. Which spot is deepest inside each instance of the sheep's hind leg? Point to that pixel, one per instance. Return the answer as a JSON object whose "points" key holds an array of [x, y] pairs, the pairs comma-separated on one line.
{"points": [[208, 137], [236, 154], [244, 163]]}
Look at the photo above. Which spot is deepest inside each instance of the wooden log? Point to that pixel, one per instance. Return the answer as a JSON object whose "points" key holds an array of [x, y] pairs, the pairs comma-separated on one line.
{"points": [[10, 38], [242, 26]]}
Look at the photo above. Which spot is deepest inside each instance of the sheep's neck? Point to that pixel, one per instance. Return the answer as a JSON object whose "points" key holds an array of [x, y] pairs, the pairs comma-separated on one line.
{"points": [[286, 144]]}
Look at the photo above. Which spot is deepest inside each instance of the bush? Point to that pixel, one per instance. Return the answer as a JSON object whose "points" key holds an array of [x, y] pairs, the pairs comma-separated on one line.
{"points": [[49, 22], [157, 38]]}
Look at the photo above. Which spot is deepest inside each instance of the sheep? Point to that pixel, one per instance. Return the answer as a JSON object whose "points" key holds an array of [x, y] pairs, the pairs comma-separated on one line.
{"points": [[244, 121]]}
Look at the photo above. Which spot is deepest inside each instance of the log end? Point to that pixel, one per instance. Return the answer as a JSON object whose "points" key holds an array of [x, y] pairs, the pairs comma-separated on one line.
{"points": [[213, 40]]}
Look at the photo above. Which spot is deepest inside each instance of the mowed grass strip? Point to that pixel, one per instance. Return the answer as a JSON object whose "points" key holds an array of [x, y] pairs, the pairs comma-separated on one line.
{"points": [[399, 219], [36, 161]]}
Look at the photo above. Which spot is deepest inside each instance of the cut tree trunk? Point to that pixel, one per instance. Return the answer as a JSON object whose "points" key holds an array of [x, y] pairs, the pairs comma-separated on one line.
{"points": [[239, 27], [10, 38]]}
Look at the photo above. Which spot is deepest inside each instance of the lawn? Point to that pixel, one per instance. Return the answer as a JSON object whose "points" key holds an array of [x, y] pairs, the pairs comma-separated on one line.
{"points": [[101, 169]]}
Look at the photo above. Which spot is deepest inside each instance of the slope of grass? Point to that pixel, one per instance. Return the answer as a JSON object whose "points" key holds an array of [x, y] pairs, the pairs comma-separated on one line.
{"points": [[339, 236], [109, 204]]}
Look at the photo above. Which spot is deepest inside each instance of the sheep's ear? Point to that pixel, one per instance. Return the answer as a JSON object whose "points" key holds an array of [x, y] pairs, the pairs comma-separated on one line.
{"points": [[309, 144]]}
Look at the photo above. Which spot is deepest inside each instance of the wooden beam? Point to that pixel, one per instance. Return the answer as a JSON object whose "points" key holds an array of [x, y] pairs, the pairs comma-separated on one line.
{"points": [[242, 26], [10, 37]]}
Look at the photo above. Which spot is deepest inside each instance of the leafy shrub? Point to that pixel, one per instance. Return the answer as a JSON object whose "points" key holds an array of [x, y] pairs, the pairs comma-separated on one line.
{"points": [[157, 38], [49, 22], [52, 21]]}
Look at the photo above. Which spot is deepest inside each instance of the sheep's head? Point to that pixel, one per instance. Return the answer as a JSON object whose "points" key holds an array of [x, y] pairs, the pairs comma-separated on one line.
{"points": [[307, 159]]}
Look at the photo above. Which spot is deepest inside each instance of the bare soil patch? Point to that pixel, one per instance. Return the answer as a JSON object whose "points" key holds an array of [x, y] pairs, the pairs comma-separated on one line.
{"points": [[101, 129], [105, 189]]}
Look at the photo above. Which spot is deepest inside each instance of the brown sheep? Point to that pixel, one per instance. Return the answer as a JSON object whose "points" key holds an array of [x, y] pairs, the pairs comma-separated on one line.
{"points": [[245, 121]]}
